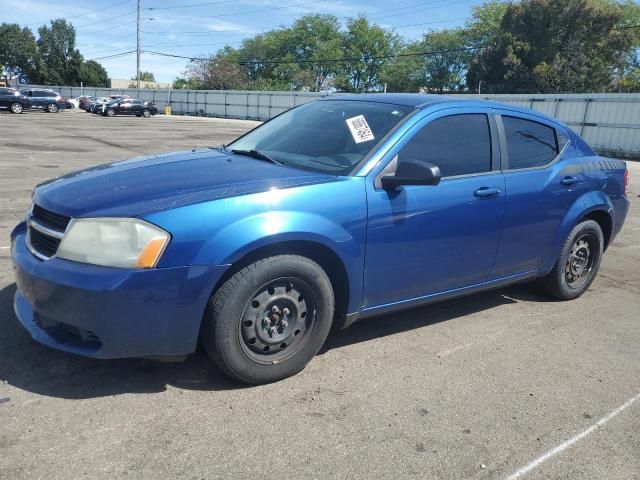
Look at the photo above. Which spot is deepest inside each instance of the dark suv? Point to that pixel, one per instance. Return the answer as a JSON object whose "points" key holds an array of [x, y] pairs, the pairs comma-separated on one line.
{"points": [[45, 99], [14, 100]]}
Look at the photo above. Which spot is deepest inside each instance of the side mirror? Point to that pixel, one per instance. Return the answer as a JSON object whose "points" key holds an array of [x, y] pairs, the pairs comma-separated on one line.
{"points": [[412, 172]]}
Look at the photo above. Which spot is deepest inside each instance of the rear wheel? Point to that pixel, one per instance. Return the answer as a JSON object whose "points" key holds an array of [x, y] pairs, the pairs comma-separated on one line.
{"points": [[578, 263], [267, 321], [16, 107], [146, 113], [52, 108]]}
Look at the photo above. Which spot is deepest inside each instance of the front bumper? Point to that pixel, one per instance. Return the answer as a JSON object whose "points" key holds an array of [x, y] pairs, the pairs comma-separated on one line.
{"points": [[106, 312]]}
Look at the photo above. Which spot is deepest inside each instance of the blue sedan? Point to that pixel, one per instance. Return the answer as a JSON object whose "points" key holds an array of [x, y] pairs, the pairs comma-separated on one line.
{"points": [[335, 211]]}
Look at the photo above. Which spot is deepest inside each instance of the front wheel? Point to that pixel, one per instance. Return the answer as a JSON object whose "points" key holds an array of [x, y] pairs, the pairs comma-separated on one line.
{"points": [[578, 263], [146, 113], [267, 321], [16, 107], [111, 112], [52, 108]]}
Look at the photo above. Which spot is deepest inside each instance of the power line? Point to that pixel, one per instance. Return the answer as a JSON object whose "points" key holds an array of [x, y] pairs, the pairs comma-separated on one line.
{"points": [[247, 12], [190, 6], [108, 28], [326, 60], [115, 55], [431, 6], [105, 20], [88, 12]]}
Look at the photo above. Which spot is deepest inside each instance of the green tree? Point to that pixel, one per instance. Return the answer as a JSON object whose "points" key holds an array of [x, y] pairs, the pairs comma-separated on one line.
{"points": [[219, 72], [61, 60], [437, 63], [144, 77], [18, 51], [92, 74], [368, 49], [315, 39], [555, 46]]}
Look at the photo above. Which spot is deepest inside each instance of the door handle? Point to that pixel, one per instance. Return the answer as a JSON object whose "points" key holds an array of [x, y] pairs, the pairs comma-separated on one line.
{"points": [[567, 181], [487, 192]]}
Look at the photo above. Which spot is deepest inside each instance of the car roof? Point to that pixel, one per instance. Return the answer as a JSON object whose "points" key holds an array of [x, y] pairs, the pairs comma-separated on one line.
{"points": [[423, 100]]}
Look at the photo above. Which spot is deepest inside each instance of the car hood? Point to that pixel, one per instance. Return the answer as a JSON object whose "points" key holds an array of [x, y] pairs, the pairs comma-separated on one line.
{"points": [[160, 182]]}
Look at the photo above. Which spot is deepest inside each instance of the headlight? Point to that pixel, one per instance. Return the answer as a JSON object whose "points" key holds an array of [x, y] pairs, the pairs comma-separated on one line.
{"points": [[113, 242]]}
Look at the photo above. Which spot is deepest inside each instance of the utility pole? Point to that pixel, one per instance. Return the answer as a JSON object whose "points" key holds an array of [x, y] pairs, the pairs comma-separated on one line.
{"points": [[138, 47]]}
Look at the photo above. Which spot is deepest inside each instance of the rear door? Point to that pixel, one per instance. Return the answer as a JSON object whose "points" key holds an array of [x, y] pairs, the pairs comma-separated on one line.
{"points": [[5, 97], [423, 240], [541, 186], [136, 107], [125, 107], [38, 98]]}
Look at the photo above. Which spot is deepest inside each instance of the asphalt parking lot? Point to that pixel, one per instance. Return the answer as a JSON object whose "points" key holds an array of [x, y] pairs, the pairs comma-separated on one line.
{"points": [[484, 387]]}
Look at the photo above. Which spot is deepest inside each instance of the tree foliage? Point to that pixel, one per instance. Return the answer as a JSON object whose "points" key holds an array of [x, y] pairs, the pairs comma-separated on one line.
{"points": [[52, 59], [555, 46], [18, 50]]}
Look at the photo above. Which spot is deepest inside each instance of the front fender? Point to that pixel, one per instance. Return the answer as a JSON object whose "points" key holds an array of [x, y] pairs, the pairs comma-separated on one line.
{"points": [[584, 205], [236, 240]]}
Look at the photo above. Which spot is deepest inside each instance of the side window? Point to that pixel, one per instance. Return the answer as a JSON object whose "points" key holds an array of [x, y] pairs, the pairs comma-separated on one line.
{"points": [[529, 143], [137, 102], [458, 145]]}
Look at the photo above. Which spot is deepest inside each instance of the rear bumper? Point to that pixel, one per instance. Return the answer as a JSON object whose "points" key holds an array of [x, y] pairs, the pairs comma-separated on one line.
{"points": [[620, 211], [110, 312]]}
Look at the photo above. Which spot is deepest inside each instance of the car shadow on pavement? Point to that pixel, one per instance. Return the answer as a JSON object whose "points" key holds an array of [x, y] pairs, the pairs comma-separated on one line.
{"points": [[30, 366], [382, 326]]}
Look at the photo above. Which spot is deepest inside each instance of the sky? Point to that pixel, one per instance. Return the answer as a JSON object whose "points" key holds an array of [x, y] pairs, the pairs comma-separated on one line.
{"points": [[196, 28]]}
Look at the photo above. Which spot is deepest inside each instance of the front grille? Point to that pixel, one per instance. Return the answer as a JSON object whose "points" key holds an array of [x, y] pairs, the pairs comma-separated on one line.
{"points": [[43, 244], [46, 230], [50, 219]]}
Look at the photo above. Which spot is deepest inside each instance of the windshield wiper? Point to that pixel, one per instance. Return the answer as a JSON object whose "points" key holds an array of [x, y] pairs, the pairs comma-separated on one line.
{"points": [[257, 155]]}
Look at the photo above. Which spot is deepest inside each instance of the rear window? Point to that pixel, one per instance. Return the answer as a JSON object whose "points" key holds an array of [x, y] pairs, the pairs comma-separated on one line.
{"points": [[529, 144]]}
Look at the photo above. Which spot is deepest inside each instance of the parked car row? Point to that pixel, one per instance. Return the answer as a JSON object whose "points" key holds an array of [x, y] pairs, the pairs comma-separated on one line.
{"points": [[51, 101], [119, 105]]}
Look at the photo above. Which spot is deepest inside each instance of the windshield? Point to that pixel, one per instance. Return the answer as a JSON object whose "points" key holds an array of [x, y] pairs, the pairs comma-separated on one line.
{"points": [[330, 136]]}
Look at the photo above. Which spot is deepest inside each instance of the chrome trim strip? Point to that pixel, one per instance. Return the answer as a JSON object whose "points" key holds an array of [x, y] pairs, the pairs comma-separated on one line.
{"points": [[42, 229], [33, 250]]}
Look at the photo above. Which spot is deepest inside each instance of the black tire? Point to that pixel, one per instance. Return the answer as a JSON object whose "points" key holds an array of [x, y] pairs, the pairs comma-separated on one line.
{"points": [[267, 321], [16, 107], [110, 112], [578, 263], [146, 113], [52, 108]]}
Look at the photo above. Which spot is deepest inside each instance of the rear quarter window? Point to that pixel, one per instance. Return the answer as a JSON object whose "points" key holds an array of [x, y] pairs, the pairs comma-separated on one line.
{"points": [[529, 143]]}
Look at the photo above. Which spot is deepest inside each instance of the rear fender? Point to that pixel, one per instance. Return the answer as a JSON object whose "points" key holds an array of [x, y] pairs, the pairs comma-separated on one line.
{"points": [[583, 206]]}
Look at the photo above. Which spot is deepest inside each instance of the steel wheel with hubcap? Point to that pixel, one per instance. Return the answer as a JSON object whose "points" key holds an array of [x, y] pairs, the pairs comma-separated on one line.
{"points": [[16, 107], [111, 112], [578, 263], [269, 319], [277, 319]]}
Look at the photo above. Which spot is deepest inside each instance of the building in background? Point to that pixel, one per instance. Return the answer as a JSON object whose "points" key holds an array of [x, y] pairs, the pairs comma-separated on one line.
{"points": [[126, 83]]}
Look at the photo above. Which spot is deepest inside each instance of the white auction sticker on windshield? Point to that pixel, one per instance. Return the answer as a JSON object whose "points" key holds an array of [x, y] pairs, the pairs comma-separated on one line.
{"points": [[359, 128]]}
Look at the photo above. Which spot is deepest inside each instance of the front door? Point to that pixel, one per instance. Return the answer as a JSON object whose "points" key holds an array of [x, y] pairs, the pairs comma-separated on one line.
{"points": [[423, 240]]}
